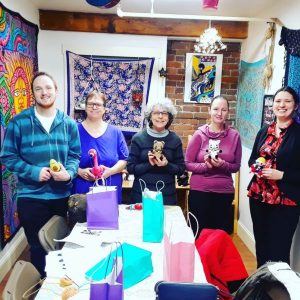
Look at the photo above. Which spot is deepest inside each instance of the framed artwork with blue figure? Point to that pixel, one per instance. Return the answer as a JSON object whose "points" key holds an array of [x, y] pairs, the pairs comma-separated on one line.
{"points": [[202, 77]]}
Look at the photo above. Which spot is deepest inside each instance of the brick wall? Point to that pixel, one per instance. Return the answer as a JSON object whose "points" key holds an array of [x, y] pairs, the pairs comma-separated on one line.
{"points": [[191, 116]]}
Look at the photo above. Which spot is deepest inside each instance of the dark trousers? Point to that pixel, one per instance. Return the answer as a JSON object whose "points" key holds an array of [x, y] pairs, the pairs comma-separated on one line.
{"points": [[33, 214], [273, 227], [212, 210]]}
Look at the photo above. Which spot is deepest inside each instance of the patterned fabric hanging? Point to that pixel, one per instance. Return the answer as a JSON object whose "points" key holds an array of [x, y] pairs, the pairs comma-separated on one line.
{"points": [[290, 38]]}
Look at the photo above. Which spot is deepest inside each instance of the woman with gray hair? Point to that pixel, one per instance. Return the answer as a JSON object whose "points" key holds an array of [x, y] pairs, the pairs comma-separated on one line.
{"points": [[156, 152]]}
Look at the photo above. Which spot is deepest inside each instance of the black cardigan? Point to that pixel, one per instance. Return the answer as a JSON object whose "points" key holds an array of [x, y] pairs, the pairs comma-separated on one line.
{"points": [[138, 164], [287, 160]]}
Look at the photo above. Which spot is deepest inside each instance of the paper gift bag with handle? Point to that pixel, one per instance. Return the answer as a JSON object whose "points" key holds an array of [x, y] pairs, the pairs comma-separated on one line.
{"points": [[137, 265], [111, 286], [179, 252], [153, 213], [102, 208]]}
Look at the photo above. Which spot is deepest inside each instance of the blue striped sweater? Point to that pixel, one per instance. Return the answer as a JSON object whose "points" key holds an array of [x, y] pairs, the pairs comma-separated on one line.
{"points": [[28, 147]]}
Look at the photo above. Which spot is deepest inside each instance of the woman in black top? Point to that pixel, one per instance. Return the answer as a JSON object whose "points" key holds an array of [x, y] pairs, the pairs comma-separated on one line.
{"points": [[275, 191], [142, 162]]}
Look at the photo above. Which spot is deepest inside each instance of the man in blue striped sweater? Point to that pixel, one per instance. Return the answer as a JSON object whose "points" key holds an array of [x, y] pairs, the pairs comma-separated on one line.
{"points": [[32, 138]]}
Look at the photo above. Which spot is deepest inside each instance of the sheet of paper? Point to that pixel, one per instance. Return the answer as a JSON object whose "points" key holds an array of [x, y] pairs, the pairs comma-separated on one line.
{"points": [[84, 237]]}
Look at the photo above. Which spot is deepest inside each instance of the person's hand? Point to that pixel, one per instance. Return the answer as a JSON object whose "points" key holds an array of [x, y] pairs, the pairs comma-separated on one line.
{"points": [[217, 162], [86, 174], [45, 174], [107, 172], [207, 161], [161, 162], [151, 158], [271, 174], [61, 175], [208, 164]]}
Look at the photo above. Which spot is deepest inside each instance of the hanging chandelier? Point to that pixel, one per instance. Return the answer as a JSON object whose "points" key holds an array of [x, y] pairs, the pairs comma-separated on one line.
{"points": [[209, 41]]}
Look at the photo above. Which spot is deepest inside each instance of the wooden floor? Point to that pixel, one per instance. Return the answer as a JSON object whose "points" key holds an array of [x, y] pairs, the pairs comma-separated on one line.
{"points": [[247, 256]]}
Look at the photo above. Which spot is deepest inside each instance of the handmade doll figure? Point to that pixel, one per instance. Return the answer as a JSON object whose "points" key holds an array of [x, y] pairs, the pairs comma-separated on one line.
{"points": [[213, 148], [158, 147], [258, 166]]}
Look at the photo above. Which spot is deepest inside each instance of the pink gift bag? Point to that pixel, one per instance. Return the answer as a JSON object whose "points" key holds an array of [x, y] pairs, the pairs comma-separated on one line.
{"points": [[179, 252]]}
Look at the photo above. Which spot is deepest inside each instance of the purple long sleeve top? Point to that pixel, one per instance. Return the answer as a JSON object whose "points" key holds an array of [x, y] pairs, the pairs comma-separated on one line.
{"points": [[218, 180]]}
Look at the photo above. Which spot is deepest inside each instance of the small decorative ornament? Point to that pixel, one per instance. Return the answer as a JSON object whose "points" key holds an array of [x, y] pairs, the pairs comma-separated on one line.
{"points": [[210, 4], [137, 97], [162, 72], [112, 3], [103, 3], [209, 41]]}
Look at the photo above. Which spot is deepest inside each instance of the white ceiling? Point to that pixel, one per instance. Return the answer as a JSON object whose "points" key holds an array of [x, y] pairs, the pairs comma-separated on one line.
{"points": [[231, 8]]}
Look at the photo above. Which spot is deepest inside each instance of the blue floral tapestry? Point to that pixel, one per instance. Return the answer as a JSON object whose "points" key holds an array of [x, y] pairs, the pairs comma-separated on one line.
{"points": [[18, 62], [124, 81], [250, 100]]}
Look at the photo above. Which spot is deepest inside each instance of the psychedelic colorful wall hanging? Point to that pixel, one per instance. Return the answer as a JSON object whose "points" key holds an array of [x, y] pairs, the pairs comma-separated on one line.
{"points": [[203, 74], [250, 100], [18, 62], [124, 81]]}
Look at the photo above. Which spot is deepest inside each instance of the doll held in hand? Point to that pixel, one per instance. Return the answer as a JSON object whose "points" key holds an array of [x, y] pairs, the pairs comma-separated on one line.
{"points": [[258, 166]]}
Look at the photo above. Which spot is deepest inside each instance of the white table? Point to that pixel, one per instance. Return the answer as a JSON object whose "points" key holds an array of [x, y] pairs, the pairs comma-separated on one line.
{"points": [[130, 231]]}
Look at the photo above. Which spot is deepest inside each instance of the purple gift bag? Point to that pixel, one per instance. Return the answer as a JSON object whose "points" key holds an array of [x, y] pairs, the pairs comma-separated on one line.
{"points": [[102, 208], [111, 287]]}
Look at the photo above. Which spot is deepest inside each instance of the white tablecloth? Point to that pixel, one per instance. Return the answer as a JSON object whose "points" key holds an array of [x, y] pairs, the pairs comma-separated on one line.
{"points": [[74, 262]]}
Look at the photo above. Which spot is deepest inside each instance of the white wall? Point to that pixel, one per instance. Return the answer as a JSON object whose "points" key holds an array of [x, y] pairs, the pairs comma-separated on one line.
{"points": [[25, 8], [14, 248], [254, 49], [52, 46]]}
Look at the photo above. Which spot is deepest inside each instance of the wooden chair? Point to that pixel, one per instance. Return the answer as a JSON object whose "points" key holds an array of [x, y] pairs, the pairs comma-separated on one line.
{"points": [[23, 276], [55, 228]]}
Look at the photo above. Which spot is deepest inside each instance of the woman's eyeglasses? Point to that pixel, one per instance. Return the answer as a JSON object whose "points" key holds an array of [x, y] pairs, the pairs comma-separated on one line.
{"points": [[163, 113], [92, 105]]}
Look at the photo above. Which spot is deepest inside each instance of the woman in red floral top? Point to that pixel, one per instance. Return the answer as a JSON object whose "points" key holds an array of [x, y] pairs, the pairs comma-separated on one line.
{"points": [[274, 193]]}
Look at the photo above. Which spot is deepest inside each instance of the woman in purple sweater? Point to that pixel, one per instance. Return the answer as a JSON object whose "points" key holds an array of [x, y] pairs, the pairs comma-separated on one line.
{"points": [[211, 185]]}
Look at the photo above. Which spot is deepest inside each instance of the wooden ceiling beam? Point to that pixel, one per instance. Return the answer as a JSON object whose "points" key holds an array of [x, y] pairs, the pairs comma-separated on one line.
{"points": [[106, 23]]}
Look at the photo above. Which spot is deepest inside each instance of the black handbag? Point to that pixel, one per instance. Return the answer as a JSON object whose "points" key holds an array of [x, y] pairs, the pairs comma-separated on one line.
{"points": [[76, 209]]}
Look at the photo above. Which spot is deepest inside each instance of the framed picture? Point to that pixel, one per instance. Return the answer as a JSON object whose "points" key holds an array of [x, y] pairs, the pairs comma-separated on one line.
{"points": [[267, 114], [202, 77]]}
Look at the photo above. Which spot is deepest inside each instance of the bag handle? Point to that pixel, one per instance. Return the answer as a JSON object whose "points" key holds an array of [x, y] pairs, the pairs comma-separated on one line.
{"points": [[116, 258], [189, 222], [96, 183], [115, 261], [104, 182], [107, 259], [157, 183], [142, 181]]}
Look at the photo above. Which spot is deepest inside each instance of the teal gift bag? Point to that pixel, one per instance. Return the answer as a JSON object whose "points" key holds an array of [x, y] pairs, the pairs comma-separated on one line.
{"points": [[137, 265], [153, 213]]}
